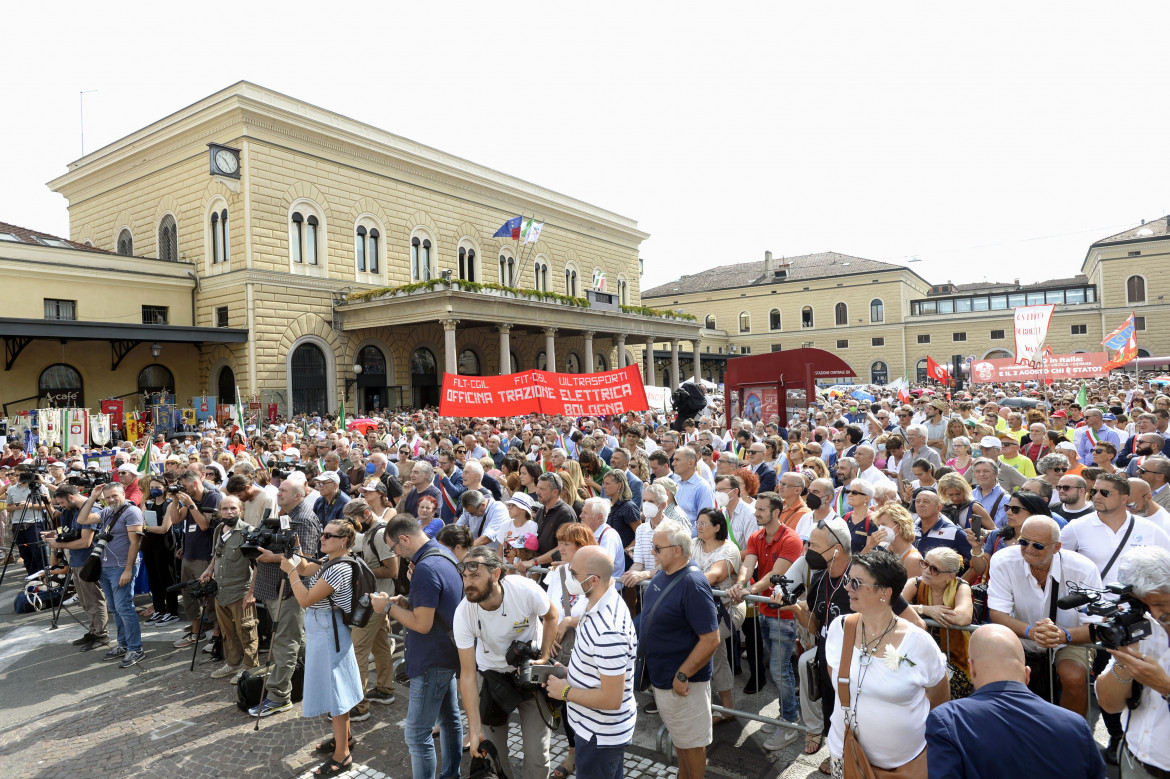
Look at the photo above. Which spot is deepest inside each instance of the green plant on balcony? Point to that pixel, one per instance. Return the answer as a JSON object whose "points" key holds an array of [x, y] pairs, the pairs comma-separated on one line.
{"points": [[658, 312]]}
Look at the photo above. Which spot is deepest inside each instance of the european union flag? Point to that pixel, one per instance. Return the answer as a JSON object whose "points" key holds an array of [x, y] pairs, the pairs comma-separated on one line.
{"points": [[510, 229]]}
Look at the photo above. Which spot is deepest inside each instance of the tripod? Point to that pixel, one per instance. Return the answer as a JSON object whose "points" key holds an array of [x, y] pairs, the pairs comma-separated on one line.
{"points": [[38, 501], [271, 642], [202, 617]]}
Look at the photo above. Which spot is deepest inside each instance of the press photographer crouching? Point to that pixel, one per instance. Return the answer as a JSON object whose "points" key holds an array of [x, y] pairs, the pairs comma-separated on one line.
{"points": [[500, 611], [288, 633], [120, 528], [235, 604], [192, 507], [77, 539], [1137, 680]]}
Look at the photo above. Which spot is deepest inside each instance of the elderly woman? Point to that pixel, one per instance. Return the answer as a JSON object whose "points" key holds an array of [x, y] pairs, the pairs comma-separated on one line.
{"points": [[895, 533], [939, 594], [858, 494], [718, 558], [655, 498], [961, 459], [671, 511], [954, 430], [884, 670], [332, 683], [427, 509], [959, 506]]}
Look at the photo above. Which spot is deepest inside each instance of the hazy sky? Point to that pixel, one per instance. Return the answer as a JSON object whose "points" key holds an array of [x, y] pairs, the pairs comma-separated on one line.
{"points": [[991, 140]]}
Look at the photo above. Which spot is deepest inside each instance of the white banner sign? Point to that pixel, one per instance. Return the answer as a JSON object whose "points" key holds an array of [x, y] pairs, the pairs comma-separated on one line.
{"points": [[1031, 330]]}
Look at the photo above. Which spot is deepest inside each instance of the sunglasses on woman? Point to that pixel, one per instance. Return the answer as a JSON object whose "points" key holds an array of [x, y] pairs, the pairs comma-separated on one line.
{"points": [[934, 570], [1016, 509], [331, 535], [858, 492]]}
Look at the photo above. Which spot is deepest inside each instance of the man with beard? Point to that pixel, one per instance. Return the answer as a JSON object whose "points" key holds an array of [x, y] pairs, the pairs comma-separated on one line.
{"points": [[1135, 453], [235, 605], [498, 610]]}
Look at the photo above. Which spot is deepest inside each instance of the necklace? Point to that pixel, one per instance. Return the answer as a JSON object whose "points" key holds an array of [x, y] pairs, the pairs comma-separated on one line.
{"points": [[869, 648]]}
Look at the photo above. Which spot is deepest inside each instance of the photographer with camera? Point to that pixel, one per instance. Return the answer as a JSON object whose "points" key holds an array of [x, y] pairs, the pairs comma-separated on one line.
{"points": [[27, 502], [498, 613], [192, 507], [255, 499], [1136, 683], [235, 604], [431, 659], [78, 540], [158, 552], [288, 633], [120, 527]]}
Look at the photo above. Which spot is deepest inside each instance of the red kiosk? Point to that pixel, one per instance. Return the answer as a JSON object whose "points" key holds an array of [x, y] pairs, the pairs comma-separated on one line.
{"points": [[754, 385]]}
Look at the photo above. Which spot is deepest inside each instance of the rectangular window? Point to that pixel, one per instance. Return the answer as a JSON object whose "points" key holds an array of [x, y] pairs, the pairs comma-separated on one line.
{"points": [[221, 316], [842, 343], [877, 342], [946, 306], [999, 302], [1133, 254], [958, 336], [1074, 296], [1080, 329], [924, 339], [777, 348], [60, 309], [1054, 296], [1035, 298], [747, 350], [154, 315], [980, 304], [997, 335], [1139, 323], [1016, 299], [928, 307], [963, 305]]}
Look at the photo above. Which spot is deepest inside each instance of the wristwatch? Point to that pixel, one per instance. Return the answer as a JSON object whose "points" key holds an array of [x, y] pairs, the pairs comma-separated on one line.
{"points": [[682, 677]]}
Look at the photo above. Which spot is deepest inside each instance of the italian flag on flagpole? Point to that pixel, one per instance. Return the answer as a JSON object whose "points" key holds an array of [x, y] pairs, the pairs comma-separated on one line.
{"points": [[239, 410], [1083, 397], [144, 463]]}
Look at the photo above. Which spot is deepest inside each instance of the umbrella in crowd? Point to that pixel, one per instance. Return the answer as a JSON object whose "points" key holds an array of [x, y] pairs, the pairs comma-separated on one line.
{"points": [[1161, 381], [363, 424]]}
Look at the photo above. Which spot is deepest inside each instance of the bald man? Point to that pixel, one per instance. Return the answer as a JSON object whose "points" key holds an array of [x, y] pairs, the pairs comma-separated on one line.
{"points": [[1141, 503], [1059, 743]]}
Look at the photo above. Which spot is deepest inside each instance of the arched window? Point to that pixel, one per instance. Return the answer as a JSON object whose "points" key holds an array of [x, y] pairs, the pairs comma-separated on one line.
{"points": [[420, 259], [466, 263], [507, 269], [806, 316], [540, 274], [920, 375], [367, 248], [59, 386], [468, 363], [877, 312], [220, 246], [168, 239], [841, 314], [774, 321], [359, 248], [572, 363], [422, 362], [372, 360], [745, 322], [303, 238], [541, 361], [125, 243], [225, 386], [154, 379], [1135, 289], [310, 385], [878, 373], [623, 291], [571, 280], [709, 322], [373, 247], [599, 363]]}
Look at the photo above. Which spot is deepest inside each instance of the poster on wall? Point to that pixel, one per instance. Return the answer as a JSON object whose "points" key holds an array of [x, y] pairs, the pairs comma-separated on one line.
{"points": [[760, 403]]}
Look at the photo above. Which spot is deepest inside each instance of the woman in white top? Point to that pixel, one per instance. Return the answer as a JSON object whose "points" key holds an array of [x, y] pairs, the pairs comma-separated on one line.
{"points": [[718, 558], [332, 683], [896, 672]]}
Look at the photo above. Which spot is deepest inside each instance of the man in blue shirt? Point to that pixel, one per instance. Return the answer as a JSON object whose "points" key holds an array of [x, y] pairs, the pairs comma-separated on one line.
{"points": [[431, 658], [694, 493], [932, 529], [1059, 743], [331, 504]]}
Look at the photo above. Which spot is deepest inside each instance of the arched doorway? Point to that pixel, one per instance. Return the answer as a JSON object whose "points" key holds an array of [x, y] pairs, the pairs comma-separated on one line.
{"points": [[59, 386], [310, 385], [468, 363], [572, 363], [371, 389], [225, 386], [424, 378], [156, 384]]}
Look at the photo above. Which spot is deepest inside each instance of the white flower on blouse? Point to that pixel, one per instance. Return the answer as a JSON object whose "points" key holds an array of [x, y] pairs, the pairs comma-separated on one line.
{"points": [[894, 659]]}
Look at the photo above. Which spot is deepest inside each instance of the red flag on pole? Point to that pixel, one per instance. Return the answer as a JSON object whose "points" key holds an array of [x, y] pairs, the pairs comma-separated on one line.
{"points": [[936, 371]]}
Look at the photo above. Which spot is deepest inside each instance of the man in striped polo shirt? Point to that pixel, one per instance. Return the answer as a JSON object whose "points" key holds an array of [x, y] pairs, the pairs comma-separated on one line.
{"points": [[600, 684]]}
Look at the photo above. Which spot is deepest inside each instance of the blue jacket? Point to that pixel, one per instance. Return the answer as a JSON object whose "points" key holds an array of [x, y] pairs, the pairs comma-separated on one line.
{"points": [[767, 478], [449, 488], [1004, 729], [636, 488]]}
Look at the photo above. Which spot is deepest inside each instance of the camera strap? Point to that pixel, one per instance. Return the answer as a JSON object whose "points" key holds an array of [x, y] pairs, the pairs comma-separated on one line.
{"points": [[1117, 551]]}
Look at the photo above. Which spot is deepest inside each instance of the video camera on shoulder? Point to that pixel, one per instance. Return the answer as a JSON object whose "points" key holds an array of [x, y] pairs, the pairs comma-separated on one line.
{"points": [[269, 536], [1124, 615], [790, 597]]}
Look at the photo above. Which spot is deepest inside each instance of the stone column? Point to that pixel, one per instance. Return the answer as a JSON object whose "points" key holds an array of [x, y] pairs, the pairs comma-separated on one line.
{"points": [[674, 377], [452, 357], [588, 351], [505, 348], [695, 351], [550, 348], [651, 368], [621, 350]]}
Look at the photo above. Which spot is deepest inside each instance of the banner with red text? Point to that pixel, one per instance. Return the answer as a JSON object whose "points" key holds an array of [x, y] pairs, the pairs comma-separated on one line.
{"points": [[1056, 366], [1031, 330], [542, 392]]}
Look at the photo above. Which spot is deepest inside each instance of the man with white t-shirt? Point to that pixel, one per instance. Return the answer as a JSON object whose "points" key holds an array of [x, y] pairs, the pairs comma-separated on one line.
{"points": [[1141, 503], [498, 610], [1105, 534]]}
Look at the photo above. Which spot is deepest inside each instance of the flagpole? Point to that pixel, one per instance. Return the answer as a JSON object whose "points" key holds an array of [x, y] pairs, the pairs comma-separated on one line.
{"points": [[523, 260]]}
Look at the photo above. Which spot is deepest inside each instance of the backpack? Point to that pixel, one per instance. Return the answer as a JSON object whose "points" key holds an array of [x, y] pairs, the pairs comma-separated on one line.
{"points": [[368, 541], [252, 681], [363, 585]]}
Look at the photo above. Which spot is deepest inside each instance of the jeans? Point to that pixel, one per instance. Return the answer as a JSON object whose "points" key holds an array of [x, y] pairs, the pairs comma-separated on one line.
{"points": [[597, 762], [122, 599], [433, 697], [780, 641]]}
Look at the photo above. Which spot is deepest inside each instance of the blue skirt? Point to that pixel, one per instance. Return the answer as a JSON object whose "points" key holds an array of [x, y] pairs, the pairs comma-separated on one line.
{"points": [[332, 684]]}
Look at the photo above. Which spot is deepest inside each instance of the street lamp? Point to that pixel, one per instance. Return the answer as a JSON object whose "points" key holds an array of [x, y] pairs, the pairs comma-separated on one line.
{"points": [[357, 370], [155, 350]]}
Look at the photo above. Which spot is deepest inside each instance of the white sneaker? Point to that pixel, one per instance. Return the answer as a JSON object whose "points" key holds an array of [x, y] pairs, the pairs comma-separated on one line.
{"points": [[781, 738], [71, 601], [225, 670], [236, 679], [209, 648]]}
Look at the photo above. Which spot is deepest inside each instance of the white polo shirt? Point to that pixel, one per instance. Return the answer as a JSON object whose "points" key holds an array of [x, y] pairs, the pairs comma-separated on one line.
{"points": [[1013, 589], [1097, 541]]}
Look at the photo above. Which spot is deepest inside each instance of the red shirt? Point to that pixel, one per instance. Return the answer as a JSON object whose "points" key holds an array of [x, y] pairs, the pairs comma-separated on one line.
{"points": [[134, 493], [786, 544]]}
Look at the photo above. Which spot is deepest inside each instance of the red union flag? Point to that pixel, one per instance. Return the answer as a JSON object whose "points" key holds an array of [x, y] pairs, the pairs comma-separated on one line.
{"points": [[937, 372], [541, 392], [1031, 330]]}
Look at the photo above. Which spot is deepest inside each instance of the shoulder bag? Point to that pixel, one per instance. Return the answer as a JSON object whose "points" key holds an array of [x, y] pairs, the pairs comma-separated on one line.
{"points": [[641, 676], [857, 765]]}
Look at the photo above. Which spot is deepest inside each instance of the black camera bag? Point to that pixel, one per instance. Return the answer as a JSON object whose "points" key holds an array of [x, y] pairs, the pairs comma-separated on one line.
{"points": [[252, 680]]}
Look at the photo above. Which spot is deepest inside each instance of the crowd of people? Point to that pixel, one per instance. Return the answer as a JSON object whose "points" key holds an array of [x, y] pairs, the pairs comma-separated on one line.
{"points": [[889, 572]]}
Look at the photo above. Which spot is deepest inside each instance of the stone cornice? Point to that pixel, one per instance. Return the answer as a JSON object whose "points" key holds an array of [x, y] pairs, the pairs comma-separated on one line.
{"points": [[272, 278]]}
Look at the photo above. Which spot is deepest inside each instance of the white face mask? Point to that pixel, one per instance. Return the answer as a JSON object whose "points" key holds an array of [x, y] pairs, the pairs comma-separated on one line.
{"points": [[574, 587], [649, 510], [888, 536], [721, 500]]}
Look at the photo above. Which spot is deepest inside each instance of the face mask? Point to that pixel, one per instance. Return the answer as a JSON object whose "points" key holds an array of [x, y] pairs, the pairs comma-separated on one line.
{"points": [[649, 510], [574, 587], [888, 536], [881, 447], [721, 500], [812, 501], [818, 437], [156, 493], [231, 521], [816, 561], [370, 468]]}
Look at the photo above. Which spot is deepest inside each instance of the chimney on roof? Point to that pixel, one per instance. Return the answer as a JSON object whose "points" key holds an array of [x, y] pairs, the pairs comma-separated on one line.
{"points": [[769, 263], [1017, 282]]}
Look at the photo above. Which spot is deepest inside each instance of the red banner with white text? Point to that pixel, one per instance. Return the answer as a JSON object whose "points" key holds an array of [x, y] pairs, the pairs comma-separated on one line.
{"points": [[541, 392], [1057, 366]]}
